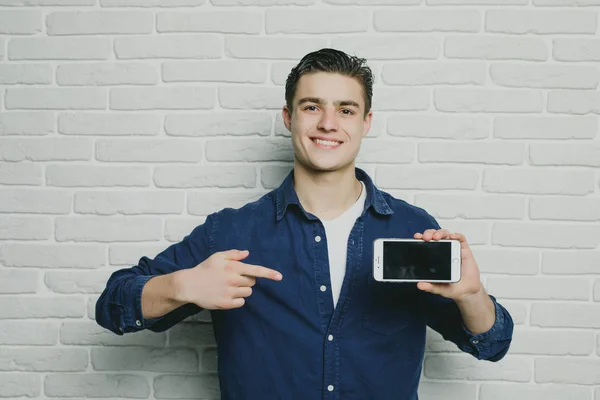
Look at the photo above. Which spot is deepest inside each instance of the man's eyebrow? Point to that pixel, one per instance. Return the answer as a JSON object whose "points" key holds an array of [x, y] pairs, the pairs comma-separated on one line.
{"points": [[318, 100]]}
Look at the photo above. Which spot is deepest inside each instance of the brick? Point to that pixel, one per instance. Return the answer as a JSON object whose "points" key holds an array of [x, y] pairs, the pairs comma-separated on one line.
{"points": [[544, 76], [518, 311], [128, 203], [151, 3], [566, 2], [110, 124], [45, 149], [426, 178], [447, 390], [528, 181], [512, 369], [96, 385], [474, 152], [91, 307], [401, 99], [552, 342], [567, 370], [546, 235], [277, 48], [241, 22], [46, 359], [25, 228], [129, 254], [186, 386], [98, 229], [144, 359], [20, 174], [262, 2], [48, 201], [495, 47], [219, 124], [316, 21], [207, 203], [438, 73], [215, 71], [13, 281], [19, 22], [597, 290], [488, 100], [251, 97], [540, 22], [565, 315], [390, 48], [98, 74], [507, 261], [26, 74], [53, 255], [571, 262], [576, 49], [162, 98], [148, 150], [249, 150], [472, 207], [208, 176], [59, 48], [47, 2], [438, 127], [99, 22], [476, 2], [477, 232], [209, 362], [539, 288], [55, 98], [177, 229], [13, 307], [26, 123], [574, 102], [180, 46], [30, 333], [542, 127], [18, 385], [192, 334], [273, 175], [429, 21], [77, 282], [564, 208], [491, 391], [91, 334], [280, 72], [565, 154], [386, 151], [93, 176]]}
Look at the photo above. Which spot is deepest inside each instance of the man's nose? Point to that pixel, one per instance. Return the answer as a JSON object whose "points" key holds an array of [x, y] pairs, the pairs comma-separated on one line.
{"points": [[328, 121]]}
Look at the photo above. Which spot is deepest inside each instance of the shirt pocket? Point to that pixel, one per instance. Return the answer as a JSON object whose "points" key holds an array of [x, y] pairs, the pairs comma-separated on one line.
{"points": [[392, 307]]}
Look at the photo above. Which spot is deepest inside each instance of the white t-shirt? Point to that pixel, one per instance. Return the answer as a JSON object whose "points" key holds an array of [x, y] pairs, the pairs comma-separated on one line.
{"points": [[338, 231]]}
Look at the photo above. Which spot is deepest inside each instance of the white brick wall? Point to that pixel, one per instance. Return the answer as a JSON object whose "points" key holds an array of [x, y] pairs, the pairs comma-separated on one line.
{"points": [[123, 123]]}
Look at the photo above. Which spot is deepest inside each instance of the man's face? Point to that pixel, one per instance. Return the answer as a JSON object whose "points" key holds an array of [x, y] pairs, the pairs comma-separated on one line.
{"points": [[327, 122]]}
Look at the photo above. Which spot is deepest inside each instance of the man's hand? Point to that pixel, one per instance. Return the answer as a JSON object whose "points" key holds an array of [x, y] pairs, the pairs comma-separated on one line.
{"points": [[469, 283], [221, 282]]}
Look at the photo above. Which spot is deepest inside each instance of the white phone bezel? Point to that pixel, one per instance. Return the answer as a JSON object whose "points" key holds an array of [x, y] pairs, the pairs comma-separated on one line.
{"points": [[378, 261]]}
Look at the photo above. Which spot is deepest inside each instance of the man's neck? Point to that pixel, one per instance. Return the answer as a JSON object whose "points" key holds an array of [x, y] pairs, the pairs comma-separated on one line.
{"points": [[326, 194]]}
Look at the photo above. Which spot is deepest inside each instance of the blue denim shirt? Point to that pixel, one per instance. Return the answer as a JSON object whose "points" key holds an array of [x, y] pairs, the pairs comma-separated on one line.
{"points": [[288, 341]]}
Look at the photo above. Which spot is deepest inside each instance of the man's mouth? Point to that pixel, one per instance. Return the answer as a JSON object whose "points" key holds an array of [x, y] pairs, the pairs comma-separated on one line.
{"points": [[326, 143]]}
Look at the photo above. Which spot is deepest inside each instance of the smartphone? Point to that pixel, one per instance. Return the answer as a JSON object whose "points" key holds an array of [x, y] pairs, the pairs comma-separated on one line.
{"points": [[412, 260]]}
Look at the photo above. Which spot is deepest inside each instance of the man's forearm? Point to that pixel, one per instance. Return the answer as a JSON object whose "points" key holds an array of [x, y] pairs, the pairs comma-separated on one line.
{"points": [[159, 296], [478, 312]]}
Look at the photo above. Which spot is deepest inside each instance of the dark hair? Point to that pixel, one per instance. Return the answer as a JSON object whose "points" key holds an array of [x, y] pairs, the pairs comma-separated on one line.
{"points": [[334, 61]]}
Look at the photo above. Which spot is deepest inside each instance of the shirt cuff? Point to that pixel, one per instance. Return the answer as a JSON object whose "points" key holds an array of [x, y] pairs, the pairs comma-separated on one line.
{"points": [[482, 341], [133, 317]]}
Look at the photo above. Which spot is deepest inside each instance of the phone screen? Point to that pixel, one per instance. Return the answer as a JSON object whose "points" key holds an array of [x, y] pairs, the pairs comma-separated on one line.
{"points": [[417, 260]]}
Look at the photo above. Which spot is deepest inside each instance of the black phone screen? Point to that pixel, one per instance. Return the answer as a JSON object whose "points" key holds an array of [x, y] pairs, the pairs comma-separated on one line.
{"points": [[417, 260]]}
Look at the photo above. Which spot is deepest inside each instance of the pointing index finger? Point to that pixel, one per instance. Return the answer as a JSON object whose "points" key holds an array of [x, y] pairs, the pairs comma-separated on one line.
{"points": [[258, 271]]}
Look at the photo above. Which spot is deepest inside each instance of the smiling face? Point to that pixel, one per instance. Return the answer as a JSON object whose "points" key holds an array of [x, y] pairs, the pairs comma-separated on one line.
{"points": [[328, 121]]}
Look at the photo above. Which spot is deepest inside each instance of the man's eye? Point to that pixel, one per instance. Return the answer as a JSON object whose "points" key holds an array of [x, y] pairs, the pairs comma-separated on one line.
{"points": [[347, 111], [310, 108]]}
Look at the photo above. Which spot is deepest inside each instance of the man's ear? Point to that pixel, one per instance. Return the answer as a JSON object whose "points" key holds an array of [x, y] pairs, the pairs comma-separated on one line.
{"points": [[287, 118], [367, 123]]}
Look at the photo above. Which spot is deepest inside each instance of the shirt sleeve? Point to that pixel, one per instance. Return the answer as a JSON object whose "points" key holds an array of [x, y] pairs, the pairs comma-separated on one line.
{"points": [[119, 308], [443, 315]]}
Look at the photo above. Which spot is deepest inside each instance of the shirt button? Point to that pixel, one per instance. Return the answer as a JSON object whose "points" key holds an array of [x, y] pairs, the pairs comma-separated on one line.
{"points": [[330, 388], [317, 239], [330, 338], [475, 341], [323, 288], [138, 323]]}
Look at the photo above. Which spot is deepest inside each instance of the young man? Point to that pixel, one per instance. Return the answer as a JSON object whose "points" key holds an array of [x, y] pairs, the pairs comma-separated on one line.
{"points": [[288, 278]]}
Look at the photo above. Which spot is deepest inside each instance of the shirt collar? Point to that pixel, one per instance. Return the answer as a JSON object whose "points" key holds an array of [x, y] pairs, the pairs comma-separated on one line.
{"points": [[285, 195]]}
